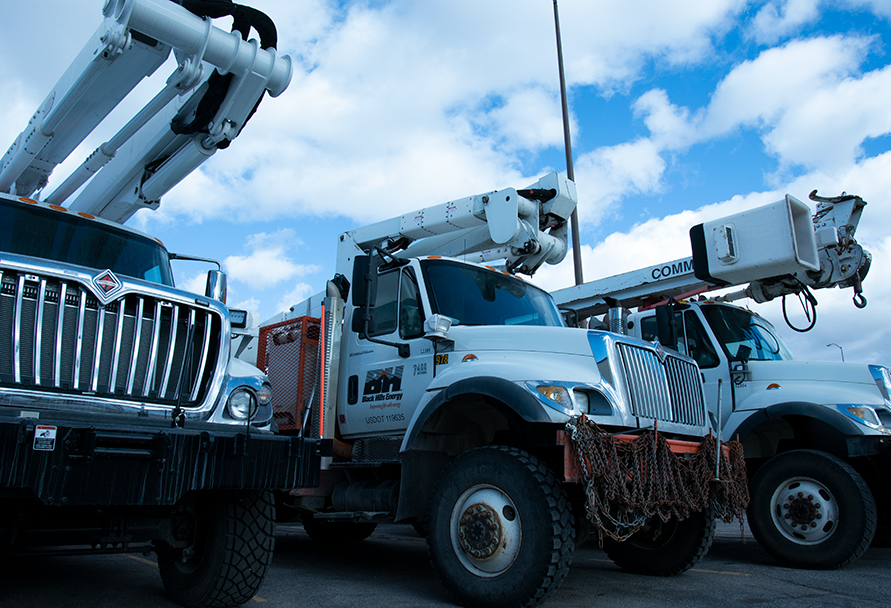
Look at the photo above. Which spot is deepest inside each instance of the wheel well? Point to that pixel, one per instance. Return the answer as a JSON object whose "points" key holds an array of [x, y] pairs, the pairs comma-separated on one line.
{"points": [[792, 432], [466, 422]]}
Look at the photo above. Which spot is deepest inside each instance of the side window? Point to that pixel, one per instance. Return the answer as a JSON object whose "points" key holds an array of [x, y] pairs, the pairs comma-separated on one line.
{"points": [[383, 309], [411, 318], [699, 347], [648, 329]]}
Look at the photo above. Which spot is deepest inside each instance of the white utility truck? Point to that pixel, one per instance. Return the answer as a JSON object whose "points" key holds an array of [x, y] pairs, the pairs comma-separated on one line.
{"points": [[125, 426], [816, 435], [461, 403]]}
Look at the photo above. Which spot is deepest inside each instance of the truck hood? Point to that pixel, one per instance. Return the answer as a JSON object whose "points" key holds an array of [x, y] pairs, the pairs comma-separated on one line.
{"points": [[810, 371], [810, 382], [530, 339]]}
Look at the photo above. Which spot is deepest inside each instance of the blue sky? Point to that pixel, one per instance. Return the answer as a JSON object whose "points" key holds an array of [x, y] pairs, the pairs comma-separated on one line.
{"points": [[681, 112]]}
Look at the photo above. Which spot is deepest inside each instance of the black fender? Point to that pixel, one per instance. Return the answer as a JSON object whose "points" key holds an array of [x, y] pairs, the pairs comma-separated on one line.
{"points": [[830, 416], [848, 438], [518, 399]]}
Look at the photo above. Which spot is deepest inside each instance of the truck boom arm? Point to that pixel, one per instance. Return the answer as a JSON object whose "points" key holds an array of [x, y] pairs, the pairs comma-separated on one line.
{"points": [[842, 262], [175, 132], [526, 227]]}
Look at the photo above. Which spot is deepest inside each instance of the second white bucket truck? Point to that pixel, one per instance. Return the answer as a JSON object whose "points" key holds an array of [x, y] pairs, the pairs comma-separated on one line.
{"points": [[452, 389], [817, 436]]}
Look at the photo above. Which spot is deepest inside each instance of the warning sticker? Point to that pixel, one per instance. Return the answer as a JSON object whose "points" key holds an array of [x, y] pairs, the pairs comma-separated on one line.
{"points": [[45, 438]]}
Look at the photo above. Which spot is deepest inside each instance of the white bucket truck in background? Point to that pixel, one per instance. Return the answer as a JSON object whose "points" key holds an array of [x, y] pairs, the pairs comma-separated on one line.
{"points": [[816, 435]]}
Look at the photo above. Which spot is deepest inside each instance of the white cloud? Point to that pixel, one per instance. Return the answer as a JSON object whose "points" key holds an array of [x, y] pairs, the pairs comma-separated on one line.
{"points": [[762, 91], [299, 293], [268, 262], [195, 283], [611, 173], [608, 43], [807, 98], [848, 113], [671, 127], [777, 19]]}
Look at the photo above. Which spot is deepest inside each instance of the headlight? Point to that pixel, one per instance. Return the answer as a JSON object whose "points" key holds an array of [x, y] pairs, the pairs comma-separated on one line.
{"points": [[557, 394], [862, 414], [561, 396], [264, 395], [242, 404]]}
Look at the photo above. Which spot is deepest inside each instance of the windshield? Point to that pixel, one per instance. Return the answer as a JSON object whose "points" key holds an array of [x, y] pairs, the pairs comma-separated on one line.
{"points": [[65, 237], [471, 295], [736, 327]]}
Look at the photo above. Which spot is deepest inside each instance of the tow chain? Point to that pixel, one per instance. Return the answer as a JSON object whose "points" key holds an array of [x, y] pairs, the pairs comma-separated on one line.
{"points": [[628, 482]]}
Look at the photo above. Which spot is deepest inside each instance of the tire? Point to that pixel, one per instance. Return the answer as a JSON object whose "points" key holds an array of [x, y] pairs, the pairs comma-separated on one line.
{"points": [[817, 490], [507, 508], [336, 532], [664, 548], [234, 539]]}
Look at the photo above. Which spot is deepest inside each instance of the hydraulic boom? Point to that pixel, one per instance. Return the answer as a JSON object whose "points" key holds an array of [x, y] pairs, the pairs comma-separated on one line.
{"points": [[200, 110]]}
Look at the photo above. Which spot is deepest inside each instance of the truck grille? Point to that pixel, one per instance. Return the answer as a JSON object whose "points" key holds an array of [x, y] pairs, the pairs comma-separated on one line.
{"points": [[669, 390], [56, 335]]}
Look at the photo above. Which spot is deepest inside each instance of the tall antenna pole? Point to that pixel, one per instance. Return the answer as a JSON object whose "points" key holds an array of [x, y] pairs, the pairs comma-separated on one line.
{"points": [[574, 218]]}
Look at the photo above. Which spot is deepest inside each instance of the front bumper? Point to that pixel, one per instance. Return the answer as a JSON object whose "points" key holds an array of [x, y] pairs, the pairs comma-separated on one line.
{"points": [[65, 463]]}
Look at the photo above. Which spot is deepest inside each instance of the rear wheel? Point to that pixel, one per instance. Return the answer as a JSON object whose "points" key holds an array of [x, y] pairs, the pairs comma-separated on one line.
{"points": [[234, 534], [664, 548], [810, 509], [501, 530]]}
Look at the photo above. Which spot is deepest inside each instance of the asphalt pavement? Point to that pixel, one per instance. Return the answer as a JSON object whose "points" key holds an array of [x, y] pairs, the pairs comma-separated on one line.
{"points": [[391, 569]]}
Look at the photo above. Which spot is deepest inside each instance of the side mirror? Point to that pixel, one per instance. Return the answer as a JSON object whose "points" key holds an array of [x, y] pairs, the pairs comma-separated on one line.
{"points": [[570, 317], [666, 326], [216, 285], [743, 352], [363, 274]]}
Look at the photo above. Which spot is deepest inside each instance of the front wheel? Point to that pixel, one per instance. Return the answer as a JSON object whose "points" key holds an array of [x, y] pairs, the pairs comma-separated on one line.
{"points": [[234, 535], [664, 548], [501, 531], [810, 509]]}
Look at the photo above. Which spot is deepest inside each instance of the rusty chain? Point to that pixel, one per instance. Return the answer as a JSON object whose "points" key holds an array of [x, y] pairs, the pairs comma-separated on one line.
{"points": [[629, 481]]}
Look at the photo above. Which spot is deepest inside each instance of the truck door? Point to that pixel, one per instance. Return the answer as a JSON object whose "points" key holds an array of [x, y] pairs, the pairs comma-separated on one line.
{"points": [[383, 388], [695, 342], [712, 361]]}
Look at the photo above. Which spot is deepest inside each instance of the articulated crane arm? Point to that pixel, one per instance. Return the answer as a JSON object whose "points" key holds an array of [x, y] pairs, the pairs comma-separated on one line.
{"points": [[778, 249], [525, 227], [194, 115]]}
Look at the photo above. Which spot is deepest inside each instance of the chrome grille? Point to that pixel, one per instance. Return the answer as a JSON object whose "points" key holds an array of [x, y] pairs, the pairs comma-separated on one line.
{"points": [[54, 333], [669, 391]]}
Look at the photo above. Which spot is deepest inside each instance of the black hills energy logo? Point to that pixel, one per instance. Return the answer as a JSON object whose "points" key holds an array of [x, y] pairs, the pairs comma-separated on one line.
{"points": [[383, 384]]}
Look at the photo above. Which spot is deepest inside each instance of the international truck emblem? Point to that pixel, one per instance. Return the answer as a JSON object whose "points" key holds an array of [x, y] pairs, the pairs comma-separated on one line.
{"points": [[660, 352], [106, 286]]}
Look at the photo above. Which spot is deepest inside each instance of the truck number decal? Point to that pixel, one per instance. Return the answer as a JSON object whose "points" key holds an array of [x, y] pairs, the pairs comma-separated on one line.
{"points": [[441, 359], [420, 369], [384, 418]]}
